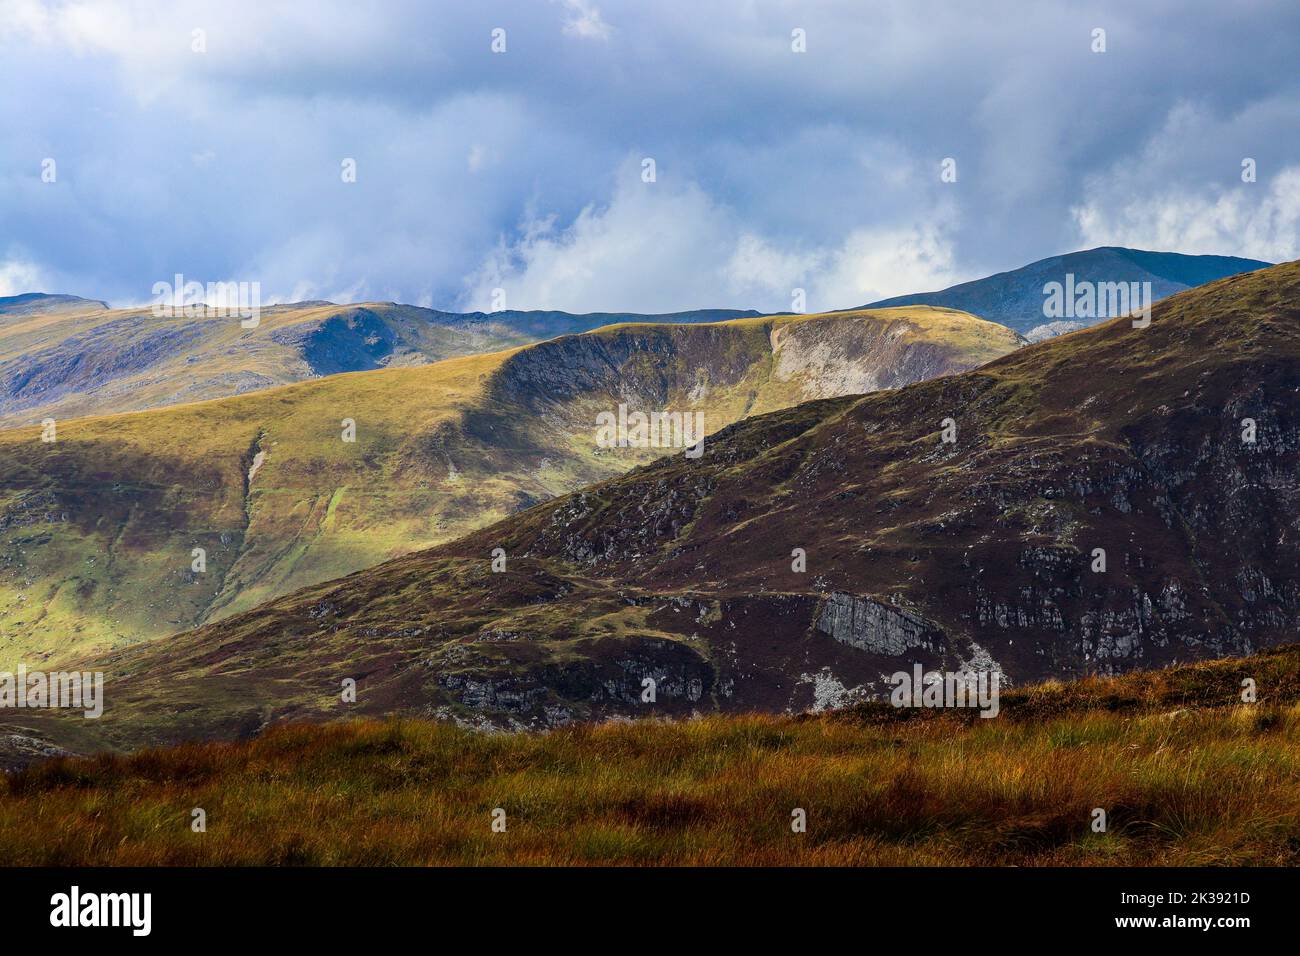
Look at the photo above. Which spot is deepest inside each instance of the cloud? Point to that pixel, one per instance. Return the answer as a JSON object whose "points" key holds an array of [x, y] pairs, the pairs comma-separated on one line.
{"points": [[869, 264], [1167, 196], [1255, 220], [672, 248], [18, 276], [585, 21], [777, 169]]}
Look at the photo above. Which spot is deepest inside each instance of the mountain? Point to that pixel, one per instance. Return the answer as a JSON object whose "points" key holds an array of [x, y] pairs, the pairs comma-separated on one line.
{"points": [[41, 303], [63, 357], [982, 552], [99, 526], [1016, 298]]}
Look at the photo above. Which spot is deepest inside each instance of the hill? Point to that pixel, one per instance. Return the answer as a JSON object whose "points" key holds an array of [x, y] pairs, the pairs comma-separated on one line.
{"points": [[63, 357], [13, 307], [1016, 298], [98, 529], [1186, 773], [980, 553]]}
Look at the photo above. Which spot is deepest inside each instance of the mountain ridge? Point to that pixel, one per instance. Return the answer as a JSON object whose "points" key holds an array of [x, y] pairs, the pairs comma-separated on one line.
{"points": [[66, 357], [81, 358]]}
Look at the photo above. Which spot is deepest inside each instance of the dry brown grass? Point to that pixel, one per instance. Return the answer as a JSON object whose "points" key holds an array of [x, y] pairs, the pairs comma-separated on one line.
{"points": [[1217, 783]]}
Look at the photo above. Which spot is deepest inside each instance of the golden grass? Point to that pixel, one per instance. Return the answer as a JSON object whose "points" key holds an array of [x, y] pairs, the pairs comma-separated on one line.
{"points": [[1194, 786]]}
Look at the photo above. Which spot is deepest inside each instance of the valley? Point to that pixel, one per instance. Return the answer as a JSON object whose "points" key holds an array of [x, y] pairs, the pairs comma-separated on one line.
{"points": [[99, 528]]}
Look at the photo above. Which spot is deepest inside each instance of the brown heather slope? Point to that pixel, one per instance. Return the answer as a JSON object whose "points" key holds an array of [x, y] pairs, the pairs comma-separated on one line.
{"points": [[977, 552]]}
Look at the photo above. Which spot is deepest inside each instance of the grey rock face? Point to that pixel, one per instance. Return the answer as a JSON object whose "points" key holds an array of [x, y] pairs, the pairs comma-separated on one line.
{"points": [[874, 627], [1049, 330], [19, 750]]}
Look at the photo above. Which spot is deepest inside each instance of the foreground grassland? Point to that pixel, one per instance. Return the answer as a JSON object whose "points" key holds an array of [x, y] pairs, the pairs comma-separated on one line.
{"points": [[1187, 773]]}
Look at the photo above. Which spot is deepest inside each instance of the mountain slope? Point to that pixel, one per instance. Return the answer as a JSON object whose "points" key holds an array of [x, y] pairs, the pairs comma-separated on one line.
{"points": [[62, 357], [1016, 298], [977, 553], [97, 528]]}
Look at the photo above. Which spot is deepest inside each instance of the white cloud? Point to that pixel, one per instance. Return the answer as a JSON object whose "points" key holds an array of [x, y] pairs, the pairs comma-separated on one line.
{"points": [[1182, 191], [584, 20], [18, 276], [1257, 220], [866, 265], [667, 249]]}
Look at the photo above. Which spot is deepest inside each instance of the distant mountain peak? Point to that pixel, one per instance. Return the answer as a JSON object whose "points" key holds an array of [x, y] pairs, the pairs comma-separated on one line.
{"points": [[31, 303], [1015, 298]]}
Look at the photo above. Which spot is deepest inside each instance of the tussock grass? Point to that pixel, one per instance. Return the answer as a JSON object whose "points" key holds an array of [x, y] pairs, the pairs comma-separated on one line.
{"points": [[1214, 781]]}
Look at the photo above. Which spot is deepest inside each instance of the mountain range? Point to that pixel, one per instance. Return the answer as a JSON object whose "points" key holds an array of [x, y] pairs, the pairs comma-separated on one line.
{"points": [[65, 357], [1115, 499]]}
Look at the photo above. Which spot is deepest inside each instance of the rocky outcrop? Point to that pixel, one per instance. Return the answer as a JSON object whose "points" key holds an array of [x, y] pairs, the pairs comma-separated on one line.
{"points": [[874, 627], [1049, 330]]}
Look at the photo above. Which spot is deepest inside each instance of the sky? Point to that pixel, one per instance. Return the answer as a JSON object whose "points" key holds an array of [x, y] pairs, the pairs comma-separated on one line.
{"points": [[795, 145]]}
